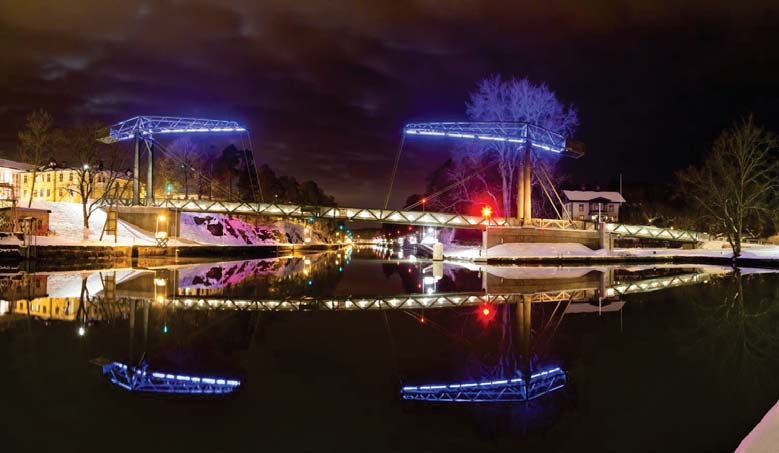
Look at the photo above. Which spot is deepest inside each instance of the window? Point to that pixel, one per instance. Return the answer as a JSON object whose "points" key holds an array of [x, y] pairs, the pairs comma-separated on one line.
{"points": [[62, 191], [611, 207], [70, 176], [581, 207], [25, 179], [61, 176], [48, 192], [48, 177]]}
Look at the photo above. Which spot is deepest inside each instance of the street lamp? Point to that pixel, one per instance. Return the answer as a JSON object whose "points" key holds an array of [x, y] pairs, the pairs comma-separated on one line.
{"points": [[161, 234]]}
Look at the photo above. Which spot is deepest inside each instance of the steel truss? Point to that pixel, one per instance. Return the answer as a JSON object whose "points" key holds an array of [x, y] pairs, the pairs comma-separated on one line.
{"points": [[653, 232], [139, 379], [518, 133], [149, 125], [517, 389], [434, 219]]}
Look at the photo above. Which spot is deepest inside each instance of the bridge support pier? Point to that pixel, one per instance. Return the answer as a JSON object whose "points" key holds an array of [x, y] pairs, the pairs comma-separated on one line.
{"points": [[137, 171], [527, 210], [150, 173]]}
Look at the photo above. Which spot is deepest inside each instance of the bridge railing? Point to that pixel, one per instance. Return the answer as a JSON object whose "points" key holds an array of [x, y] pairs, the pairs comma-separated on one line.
{"points": [[653, 232], [420, 218]]}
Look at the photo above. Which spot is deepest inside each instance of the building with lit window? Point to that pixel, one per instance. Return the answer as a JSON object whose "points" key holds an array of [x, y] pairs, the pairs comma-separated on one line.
{"points": [[589, 204], [62, 184]]}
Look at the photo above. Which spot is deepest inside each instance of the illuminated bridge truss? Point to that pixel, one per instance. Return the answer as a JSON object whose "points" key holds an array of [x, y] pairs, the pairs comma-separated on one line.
{"points": [[653, 232], [518, 133], [435, 219], [517, 389], [419, 218], [136, 379], [149, 125]]}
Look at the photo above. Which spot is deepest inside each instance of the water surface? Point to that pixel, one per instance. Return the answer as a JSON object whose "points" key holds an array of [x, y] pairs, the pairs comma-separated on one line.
{"points": [[656, 358]]}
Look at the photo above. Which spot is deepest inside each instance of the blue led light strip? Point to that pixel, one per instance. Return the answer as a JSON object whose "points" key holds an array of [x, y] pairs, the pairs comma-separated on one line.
{"points": [[149, 125], [503, 390], [510, 132], [136, 379]]}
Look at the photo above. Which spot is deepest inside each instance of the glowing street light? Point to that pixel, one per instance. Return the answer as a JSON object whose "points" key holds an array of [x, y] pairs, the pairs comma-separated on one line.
{"points": [[486, 212]]}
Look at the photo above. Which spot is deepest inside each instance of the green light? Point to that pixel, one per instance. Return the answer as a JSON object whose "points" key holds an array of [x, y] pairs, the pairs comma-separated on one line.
{"points": [[165, 328], [169, 187]]}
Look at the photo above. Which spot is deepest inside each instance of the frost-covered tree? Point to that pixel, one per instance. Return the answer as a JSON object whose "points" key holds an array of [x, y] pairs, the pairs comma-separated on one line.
{"points": [[735, 187], [515, 99], [97, 168]]}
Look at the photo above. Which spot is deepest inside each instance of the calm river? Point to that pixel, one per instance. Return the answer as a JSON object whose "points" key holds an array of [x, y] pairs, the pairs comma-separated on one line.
{"points": [[365, 350]]}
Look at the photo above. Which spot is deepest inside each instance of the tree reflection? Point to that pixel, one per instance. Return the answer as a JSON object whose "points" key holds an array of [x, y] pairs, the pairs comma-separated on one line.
{"points": [[737, 329]]}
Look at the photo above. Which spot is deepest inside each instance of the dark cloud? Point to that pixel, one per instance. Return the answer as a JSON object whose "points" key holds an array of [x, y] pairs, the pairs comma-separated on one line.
{"points": [[325, 86]]}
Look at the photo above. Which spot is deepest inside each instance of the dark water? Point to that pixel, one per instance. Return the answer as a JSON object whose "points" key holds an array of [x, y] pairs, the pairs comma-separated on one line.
{"points": [[655, 358]]}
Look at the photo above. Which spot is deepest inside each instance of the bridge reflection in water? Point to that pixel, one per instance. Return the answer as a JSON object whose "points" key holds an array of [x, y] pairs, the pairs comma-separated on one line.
{"points": [[525, 373]]}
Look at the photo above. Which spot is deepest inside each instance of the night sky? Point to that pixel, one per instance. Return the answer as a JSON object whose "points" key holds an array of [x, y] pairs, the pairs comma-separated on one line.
{"points": [[326, 86]]}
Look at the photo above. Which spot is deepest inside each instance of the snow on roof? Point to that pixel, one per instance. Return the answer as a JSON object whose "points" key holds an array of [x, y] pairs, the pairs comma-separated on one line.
{"points": [[5, 163], [587, 195]]}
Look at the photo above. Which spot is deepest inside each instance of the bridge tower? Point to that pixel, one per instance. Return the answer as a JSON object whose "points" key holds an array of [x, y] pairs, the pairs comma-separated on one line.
{"points": [[526, 137], [142, 129]]}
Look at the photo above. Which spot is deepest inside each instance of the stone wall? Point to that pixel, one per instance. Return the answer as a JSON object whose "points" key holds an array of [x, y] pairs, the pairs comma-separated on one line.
{"points": [[508, 235]]}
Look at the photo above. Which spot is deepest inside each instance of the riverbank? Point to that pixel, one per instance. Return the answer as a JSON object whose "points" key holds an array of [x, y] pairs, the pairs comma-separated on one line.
{"points": [[64, 257]]}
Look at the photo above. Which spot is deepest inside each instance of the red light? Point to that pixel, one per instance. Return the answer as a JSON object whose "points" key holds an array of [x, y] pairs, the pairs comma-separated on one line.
{"points": [[485, 311], [486, 212], [424, 200], [422, 319], [397, 232], [409, 228]]}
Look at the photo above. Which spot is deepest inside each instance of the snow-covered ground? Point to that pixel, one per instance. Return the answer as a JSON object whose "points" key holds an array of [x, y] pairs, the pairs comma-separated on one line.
{"points": [[66, 228], [764, 437], [711, 249]]}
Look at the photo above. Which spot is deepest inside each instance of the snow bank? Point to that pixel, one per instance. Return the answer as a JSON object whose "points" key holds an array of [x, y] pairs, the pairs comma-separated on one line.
{"points": [[765, 436], [540, 250], [66, 226], [226, 230]]}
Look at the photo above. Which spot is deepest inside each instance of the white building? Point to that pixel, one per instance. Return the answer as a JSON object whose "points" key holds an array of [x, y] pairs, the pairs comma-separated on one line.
{"points": [[588, 204]]}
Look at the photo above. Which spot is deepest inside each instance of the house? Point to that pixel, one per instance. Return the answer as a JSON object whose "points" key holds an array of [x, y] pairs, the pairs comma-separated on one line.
{"points": [[9, 180], [588, 204]]}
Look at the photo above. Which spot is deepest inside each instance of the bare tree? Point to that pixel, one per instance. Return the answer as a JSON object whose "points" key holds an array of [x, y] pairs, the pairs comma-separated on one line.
{"points": [[520, 100], [34, 142], [735, 186], [97, 168], [184, 164]]}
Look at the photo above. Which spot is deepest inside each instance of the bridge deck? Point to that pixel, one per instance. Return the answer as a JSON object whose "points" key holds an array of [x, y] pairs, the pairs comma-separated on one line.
{"points": [[418, 218]]}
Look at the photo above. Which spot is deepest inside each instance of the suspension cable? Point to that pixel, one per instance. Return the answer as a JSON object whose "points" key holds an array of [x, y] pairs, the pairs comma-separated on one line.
{"points": [[452, 185], [395, 168]]}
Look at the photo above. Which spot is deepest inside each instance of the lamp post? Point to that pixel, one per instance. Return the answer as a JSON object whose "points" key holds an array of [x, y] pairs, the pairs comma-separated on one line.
{"points": [[161, 234]]}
